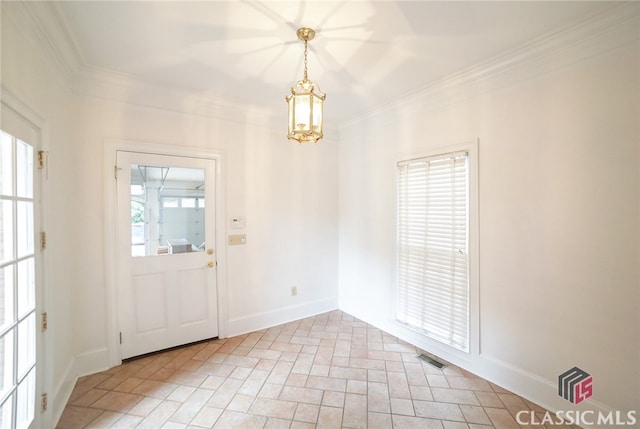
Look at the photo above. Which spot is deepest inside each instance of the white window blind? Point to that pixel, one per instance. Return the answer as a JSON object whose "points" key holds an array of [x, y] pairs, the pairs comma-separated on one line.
{"points": [[433, 244]]}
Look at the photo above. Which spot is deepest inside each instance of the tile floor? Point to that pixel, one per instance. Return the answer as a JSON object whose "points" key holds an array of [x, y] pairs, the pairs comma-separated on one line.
{"points": [[327, 371]]}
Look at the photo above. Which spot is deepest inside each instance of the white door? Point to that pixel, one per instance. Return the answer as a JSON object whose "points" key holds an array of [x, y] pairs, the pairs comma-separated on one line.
{"points": [[21, 369], [165, 259]]}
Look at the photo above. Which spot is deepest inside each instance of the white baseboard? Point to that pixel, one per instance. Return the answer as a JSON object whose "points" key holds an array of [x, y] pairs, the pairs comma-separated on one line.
{"points": [[523, 383], [267, 319], [84, 364], [91, 362], [62, 392], [542, 391]]}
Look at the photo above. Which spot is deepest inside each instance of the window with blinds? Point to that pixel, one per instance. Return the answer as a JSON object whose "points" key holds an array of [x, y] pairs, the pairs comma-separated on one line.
{"points": [[433, 246]]}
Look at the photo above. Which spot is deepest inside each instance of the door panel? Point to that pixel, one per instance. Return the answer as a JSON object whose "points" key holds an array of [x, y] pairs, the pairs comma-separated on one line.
{"points": [[167, 293], [151, 289], [193, 310]]}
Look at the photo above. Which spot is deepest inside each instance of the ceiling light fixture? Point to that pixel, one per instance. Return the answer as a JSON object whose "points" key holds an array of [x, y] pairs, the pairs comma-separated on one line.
{"points": [[305, 102]]}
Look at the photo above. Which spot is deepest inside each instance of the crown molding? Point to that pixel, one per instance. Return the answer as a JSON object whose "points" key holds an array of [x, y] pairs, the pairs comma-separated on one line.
{"points": [[115, 86], [105, 84], [42, 25], [595, 35], [45, 25]]}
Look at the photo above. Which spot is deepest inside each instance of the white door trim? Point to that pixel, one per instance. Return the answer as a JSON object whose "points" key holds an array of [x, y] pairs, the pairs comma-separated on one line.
{"points": [[111, 146]]}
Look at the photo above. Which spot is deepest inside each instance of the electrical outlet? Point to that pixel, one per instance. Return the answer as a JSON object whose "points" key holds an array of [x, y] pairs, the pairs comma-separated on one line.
{"points": [[294, 291]]}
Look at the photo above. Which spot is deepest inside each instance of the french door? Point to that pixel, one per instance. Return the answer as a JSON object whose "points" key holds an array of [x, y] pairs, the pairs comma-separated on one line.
{"points": [[19, 264], [166, 261]]}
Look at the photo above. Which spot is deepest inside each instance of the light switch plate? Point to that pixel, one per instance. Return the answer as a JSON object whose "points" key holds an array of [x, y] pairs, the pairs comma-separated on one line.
{"points": [[235, 239]]}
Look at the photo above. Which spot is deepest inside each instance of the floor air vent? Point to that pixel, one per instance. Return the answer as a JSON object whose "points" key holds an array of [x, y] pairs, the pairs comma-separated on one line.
{"points": [[431, 361]]}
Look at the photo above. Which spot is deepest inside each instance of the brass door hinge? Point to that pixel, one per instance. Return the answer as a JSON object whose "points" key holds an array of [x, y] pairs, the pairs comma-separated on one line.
{"points": [[120, 337], [43, 240], [42, 155], [43, 403], [44, 323]]}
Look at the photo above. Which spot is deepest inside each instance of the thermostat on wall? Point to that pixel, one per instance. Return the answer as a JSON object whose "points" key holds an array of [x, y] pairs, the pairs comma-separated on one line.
{"points": [[237, 222]]}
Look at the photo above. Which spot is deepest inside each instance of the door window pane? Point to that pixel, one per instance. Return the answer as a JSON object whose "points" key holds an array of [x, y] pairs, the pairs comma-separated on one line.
{"points": [[24, 169], [6, 363], [26, 400], [167, 210], [6, 296], [6, 230], [6, 164], [5, 412], [26, 344], [26, 286], [25, 228]]}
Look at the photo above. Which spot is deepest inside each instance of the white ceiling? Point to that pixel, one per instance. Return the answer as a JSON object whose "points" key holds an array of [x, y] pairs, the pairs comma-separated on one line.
{"points": [[365, 52]]}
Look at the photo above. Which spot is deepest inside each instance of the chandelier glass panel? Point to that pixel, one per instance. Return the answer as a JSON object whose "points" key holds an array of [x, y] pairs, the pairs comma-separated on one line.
{"points": [[305, 102]]}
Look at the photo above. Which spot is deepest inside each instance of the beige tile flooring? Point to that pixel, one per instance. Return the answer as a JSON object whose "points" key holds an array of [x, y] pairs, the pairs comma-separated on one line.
{"points": [[327, 371]]}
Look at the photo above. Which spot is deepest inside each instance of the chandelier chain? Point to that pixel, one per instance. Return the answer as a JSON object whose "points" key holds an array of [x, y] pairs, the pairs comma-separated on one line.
{"points": [[305, 61]]}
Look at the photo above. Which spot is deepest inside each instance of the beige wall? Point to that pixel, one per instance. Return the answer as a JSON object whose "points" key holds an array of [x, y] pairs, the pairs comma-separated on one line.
{"points": [[559, 215]]}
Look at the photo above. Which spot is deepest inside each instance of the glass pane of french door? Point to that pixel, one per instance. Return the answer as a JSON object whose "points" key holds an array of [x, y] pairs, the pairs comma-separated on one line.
{"points": [[17, 284]]}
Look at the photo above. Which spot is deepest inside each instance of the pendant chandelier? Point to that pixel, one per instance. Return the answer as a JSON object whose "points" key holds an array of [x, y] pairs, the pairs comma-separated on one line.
{"points": [[305, 102]]}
